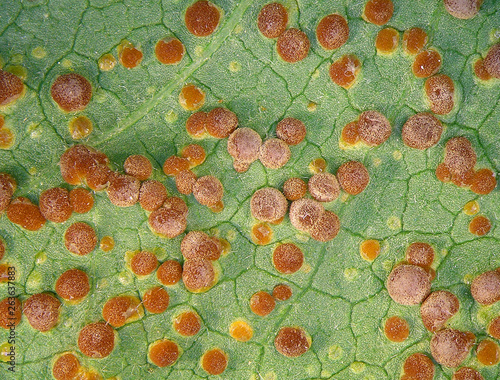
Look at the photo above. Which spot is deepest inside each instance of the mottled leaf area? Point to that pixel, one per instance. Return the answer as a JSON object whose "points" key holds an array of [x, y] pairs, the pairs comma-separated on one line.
{"points": [[338, 298]]}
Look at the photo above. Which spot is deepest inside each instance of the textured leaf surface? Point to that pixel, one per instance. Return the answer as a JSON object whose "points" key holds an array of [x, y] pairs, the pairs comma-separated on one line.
{"points": [[339, 298]]}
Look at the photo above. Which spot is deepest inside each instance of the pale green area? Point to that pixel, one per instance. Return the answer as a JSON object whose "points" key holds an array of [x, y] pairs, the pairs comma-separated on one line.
{"points": [[341, 301]]}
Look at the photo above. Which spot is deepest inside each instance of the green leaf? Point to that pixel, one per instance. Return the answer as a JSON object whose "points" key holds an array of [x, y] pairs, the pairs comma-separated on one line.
{"points": [[338, 298]]}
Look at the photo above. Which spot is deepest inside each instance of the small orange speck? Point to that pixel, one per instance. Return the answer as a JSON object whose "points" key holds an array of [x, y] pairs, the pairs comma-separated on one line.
{"points": [[218, 207], [350, 134], [107, 243], [387, 41], [80, 127], [488, 352], [7, 138], [471, 208], [262, 234], [191, 98], [345, 70], [480, 225], [396, 329], [226, 247], [241, 331], [369, 249], [480, 70], [129, 55]]}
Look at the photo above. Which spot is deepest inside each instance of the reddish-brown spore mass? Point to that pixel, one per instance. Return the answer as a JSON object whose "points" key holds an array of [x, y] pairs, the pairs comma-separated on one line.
{"points": [[24, 213], [202, 18], [66, 367], [282, 292], [191, 97], [221, 122], [483, 182], [326, 227], [332, 31], [408, 284], [194, 153], [11, 87], [184, 181], [262, 303], [169, 272], [467, 373], [261, 234], [96, 340], [208, 190], [42, 311], [274, 153], [463, 9], [197, 244], [130, 56], [292, 341], [268, 204], [378, 12], [350, 133], [480, 225], [187, 323], [345, 70], [7, 186], [353, 177], [450, 347], [293, 45], [168, 222], [494, 328], [169, 51], [414, 40], [443, 173], [164, 353], [80, 239], [156, 300], [118, 311], [485, 288], [288, 258], [291, 130], [324, 187], [196, 124], [421, 131], [488, 353], [81, 200], [123, 190], [73, 285], [480, 70], [421, 254], [459, 155], [138, 166], [72, 92], [143, 263], [440, 92], [387, 40], [373, 128], [10, 312], [427, 63], [55, 205], [198, 275], [304, 213], [294, 188], [177, 205], [272, 20], [418, 367], [214, 361], [396, 329], [438, 308], [152, 195]]}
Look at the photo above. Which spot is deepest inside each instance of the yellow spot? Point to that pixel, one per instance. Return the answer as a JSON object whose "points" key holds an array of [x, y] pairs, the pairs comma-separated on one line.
{"points": [[311, 107], [238, 29], [215, 232], [315, 74], [302, 237], [19, 71], [100, 97], [468, 278], [377, 161], [397, 155], [32, 170], [107, 62], [171, 117], [234, 66], [306, 268], [394, 223], [387, 265], [5, 350], [198, 50], [325, 373], [357, 367], [369, 377], [39, 52], [310, 369], [103, 283], [335, 352], [80, 127], [262, 108], [444, 252], [231, 235], [351, 274], [495, 35], [125, 278], [471, 208], [34, 280], [344, 197], [40, 257], [17, 59], [226, 246], [66, 63], [150, 90], [270, 376], [68, 322], [36, 132], [160, 253]]}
